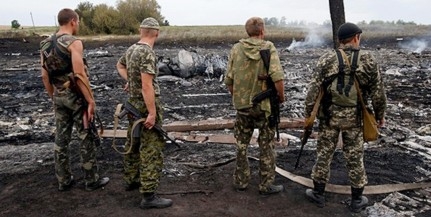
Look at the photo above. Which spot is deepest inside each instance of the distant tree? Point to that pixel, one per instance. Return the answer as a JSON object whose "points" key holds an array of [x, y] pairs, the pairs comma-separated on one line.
{"points": [[402, 22], [336, 8], [140, 9], [85, 10], [283, 21], [273, 21], [362, 23], [377, 22], [106, 20], [327, 23], [15, 24], [122, 19]]}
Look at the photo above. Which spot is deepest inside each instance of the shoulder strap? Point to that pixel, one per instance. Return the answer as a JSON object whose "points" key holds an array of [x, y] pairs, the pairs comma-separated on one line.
{"points": [[51, 45], [340, 83], [265, 54], [58, 51], [354, 65]]}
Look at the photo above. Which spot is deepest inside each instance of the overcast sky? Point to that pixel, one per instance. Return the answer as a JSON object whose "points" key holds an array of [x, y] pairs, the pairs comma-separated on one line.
{"points": [[232, 12]]}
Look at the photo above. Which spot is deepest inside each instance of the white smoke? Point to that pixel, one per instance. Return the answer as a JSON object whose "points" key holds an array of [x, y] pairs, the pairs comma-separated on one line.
{"points": [[415, 45], [311, 40]]}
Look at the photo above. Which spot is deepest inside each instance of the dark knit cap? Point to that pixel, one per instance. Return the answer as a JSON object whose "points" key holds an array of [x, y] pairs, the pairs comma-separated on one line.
{"points": [[348, 30]]}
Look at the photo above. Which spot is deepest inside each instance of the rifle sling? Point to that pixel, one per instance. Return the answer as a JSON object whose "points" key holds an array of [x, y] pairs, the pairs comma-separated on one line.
{"points": [[116, 120], [135, 124]]}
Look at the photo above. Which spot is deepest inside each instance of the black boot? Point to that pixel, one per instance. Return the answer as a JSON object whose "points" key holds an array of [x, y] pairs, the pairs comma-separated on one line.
{"points": [[358, 201], [316, 195], [151, 200], [97, 184]]}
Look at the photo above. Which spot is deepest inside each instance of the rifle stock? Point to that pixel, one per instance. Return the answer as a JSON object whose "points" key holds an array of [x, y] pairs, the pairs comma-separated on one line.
{"points": [[308, 126], [130, 109], [88, 125]]}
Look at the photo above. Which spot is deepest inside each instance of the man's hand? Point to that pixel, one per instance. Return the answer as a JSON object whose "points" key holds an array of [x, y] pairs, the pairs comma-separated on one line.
{"points": [[90, 110], [279, 86], [150, 121], [381, 123], [126, 87]]}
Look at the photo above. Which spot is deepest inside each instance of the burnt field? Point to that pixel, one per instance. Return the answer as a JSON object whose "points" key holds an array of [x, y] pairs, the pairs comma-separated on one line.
{"points": [[27, 182]]}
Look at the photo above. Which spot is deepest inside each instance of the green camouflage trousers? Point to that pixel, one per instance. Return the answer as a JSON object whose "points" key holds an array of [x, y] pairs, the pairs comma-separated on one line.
{"points": [[353, 150], [68, 112], [246, 121], [144, 163]]}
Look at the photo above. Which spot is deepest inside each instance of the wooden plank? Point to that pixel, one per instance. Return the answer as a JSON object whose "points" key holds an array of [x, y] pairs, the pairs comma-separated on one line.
{"points": [[206, 125]]}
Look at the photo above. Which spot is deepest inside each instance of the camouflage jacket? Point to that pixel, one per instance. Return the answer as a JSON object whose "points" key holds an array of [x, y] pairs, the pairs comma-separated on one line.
{"points": [[63, 42], [244, 66], [139, 58], [369, 79]]}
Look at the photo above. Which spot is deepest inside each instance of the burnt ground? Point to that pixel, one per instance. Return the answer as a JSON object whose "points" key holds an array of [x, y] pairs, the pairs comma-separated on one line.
{"points": [[28, 186]]}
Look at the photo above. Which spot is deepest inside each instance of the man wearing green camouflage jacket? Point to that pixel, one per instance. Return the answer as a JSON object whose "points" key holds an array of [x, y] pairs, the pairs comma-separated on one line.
{"points": [[335, 118], [143, 166], [245, 66]]}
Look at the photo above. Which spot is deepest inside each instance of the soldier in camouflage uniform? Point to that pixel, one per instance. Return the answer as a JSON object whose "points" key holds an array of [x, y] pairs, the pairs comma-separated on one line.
{"points": [[143, 166], [69, 107], [242, 79], [334, 119]]}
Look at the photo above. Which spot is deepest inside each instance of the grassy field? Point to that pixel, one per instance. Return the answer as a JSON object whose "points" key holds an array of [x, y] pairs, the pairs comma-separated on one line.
{"points": [[215, 34]]}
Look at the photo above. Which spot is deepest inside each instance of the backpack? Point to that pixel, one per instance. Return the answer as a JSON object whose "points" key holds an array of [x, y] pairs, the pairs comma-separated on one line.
{"points": [[55, 61], [342, 89]]}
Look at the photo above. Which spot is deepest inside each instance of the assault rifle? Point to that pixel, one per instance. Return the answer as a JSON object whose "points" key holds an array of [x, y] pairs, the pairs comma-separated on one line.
{"points": [[130, 109], [271, 93], [90, 126], [308, 126]]}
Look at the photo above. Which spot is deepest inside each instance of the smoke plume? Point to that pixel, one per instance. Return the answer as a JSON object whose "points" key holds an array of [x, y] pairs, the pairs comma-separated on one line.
{"points": [[415, 45], [310, 41]]}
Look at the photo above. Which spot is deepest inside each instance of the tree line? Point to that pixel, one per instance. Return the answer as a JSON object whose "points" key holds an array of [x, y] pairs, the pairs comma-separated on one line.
{"points": [[274, 21], [122, 19]]}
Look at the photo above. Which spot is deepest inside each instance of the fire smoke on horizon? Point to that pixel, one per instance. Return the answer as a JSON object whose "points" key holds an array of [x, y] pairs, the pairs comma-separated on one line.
{"points": [[415, 45]]}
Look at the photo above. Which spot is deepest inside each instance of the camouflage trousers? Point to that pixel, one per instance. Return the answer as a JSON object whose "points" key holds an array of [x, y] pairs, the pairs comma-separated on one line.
{"points": [[144, 163], [353, 150], [246, 121], [68, 112]]}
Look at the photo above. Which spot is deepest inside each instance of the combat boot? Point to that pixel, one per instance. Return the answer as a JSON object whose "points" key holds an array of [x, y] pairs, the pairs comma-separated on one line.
{"points": [[151, 200], [358, 201], [272, 189], [316, 195], [97, 184], [66, 186]]}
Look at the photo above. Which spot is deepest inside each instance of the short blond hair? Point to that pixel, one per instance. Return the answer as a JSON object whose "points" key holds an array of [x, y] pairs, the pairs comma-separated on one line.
{"points": [[254, 26]]}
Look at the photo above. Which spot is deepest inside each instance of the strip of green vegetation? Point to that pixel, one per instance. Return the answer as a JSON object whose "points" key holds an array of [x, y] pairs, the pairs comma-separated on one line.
{"points": [[228, 34]]}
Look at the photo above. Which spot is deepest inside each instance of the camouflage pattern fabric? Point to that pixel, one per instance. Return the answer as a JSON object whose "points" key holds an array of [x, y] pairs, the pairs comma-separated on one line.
{"points": [[353, 150], [246, 121], [137, 59], [344, 119], [244, 67], [68, 112], [144, 164]]}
